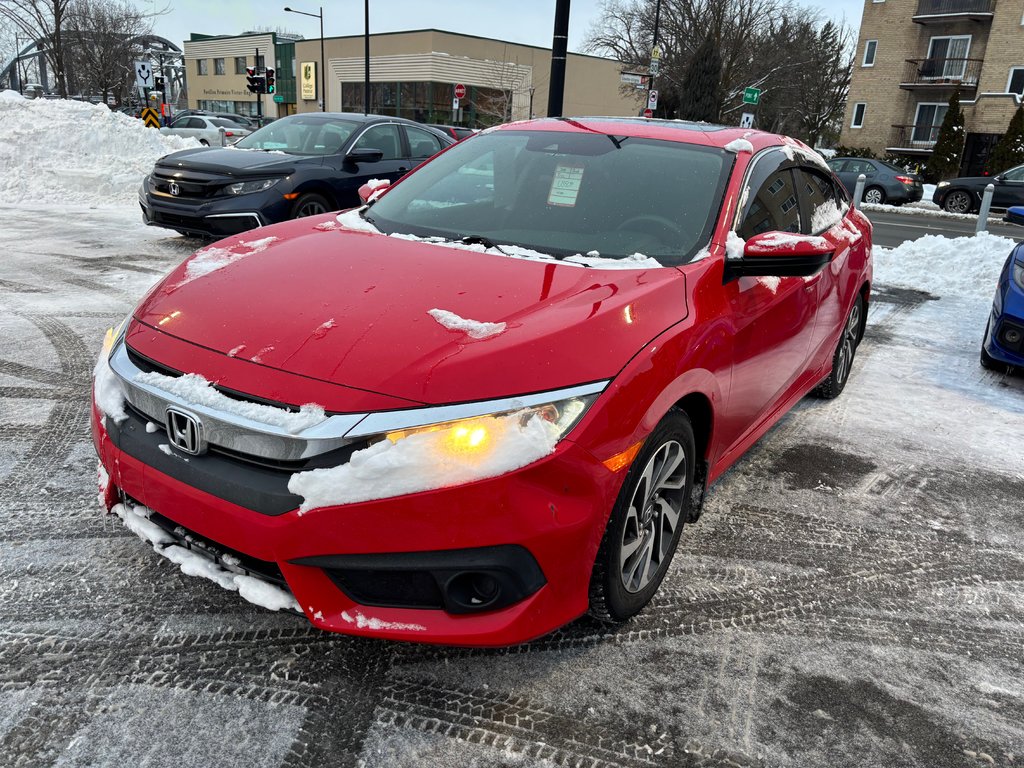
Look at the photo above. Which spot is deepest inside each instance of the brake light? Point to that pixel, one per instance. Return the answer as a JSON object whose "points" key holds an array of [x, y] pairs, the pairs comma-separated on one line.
{"points": [[905, 179], [229, 133]]}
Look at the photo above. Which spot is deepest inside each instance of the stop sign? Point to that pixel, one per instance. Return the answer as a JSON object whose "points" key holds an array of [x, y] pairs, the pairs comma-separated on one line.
{"points": [[460, 91], [648, 113]]}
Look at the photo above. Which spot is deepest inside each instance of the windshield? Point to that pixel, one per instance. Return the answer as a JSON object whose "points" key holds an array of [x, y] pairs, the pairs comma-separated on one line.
{"points": [[301, 135], [564, 194]]}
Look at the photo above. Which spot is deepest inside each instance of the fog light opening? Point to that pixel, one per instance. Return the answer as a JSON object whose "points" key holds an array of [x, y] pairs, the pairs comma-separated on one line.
{"points": [[474, 590], [1012, 336]]}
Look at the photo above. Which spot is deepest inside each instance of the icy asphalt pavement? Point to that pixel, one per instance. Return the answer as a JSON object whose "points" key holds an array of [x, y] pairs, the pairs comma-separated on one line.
{"points": [[853, 596]]}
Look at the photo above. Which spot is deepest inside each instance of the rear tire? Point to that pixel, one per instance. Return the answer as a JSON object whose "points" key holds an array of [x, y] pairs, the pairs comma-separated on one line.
{"points": [[874, 196], [846, 350], [645, 523]]}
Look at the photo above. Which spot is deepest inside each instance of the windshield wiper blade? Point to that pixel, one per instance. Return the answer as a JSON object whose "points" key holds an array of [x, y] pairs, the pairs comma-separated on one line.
{"points": [[486, 242]]}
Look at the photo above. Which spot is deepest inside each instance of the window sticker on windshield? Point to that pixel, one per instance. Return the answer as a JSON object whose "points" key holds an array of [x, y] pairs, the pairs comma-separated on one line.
{"points": [[565, 186]]}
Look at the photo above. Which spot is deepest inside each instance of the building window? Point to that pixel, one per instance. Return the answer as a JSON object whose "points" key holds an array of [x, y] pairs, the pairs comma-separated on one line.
{"points": [[201, 67], [947, 57], [1016, 82], [858, 114], [870, 47], [927, 122], [218, 66], [239, 65]]}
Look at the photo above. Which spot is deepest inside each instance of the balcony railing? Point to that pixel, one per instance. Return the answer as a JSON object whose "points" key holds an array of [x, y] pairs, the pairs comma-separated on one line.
{"points": [[920, 137], [938, 10], [941, 73]]}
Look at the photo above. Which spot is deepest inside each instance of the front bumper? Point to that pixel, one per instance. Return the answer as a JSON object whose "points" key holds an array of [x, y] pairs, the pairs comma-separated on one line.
{"points": [[215, 217], [551, 513], [995, 343]]}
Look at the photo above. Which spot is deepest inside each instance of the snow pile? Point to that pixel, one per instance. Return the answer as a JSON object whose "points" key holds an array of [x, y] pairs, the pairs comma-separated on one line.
{"points": [[594, 259], [778, 241], [196, 390], [735, 246], [962, 266], [425, 461], [826, 215], [475, 329], [107, 389], [273, 598], [61, 151], [212, 258], [371, 622]]}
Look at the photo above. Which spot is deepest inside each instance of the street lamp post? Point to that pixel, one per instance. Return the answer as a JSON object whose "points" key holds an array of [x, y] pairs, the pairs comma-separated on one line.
{"points": [[323, 66], [17, 62], [532, 89]]}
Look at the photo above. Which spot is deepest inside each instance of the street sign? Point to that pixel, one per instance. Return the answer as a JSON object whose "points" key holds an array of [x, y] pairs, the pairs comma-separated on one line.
{"points": [[655, 53], [752, 96], [652, 99], [278, 98], [455, 103], [631, 78], [747, 120], [655, 66], [143, 74], [648, 113], [150, 117], [460, 91]]}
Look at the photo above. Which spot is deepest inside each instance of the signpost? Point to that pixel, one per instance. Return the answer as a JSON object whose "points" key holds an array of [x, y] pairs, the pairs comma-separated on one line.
{"points": [[648, 113], [652, 99], [150, 117], [747, 120], [460, 91], [752, 96], [278, 98]]}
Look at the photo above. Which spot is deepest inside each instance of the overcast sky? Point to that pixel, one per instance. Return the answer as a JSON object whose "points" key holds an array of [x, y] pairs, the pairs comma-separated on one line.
{"points": [[523, 21]]}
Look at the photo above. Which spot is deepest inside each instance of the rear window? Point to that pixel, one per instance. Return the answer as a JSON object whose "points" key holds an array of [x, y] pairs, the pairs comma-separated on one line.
{"points": [[564, 194]]}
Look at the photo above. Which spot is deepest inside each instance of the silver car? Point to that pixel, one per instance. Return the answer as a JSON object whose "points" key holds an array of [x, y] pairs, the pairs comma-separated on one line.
{"points": [[206, 129]]}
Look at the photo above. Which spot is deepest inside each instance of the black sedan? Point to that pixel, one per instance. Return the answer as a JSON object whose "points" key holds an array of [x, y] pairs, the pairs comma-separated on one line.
{"points": [[883, 183], [301, 165], [964, 195]]}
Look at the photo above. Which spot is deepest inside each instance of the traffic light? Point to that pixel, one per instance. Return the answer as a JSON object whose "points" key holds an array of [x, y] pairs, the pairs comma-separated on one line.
{"points": [[271, 88], [254, 82], [158, 84]]}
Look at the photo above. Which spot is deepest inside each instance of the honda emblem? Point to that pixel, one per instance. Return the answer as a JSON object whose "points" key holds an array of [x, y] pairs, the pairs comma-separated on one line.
{"points": [[185, 432], [174, 189]]}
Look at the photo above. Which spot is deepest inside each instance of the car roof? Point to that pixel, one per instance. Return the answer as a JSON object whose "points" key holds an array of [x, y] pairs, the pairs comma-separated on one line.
{"points": [[682, 131]]}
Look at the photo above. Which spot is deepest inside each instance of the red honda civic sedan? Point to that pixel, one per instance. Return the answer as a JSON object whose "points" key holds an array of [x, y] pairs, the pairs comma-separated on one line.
{"points": [[490, 400]]}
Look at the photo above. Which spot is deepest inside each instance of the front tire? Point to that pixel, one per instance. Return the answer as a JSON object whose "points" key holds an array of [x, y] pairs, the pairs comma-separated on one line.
{"points": [[310, 204], [646, 521], [842, 358], [958, 201]]}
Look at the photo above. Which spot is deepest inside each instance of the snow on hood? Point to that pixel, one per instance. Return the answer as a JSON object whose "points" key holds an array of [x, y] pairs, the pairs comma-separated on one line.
{"points": [[379, 291], [63, 151]]}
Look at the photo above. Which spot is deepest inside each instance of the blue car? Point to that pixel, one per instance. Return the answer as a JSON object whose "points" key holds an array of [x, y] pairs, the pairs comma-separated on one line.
{"points": [[1004, 334]]}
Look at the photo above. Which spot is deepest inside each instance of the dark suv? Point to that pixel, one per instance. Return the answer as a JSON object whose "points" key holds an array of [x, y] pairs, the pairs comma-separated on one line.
{"points": [[301, 165]]}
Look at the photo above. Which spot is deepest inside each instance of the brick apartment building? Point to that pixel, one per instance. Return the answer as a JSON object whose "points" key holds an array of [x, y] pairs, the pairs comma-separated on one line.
{"points": [[911, 54]]}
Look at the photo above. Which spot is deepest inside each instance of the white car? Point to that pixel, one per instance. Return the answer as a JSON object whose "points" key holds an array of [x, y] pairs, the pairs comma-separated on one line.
{"points": [[206, 129]]}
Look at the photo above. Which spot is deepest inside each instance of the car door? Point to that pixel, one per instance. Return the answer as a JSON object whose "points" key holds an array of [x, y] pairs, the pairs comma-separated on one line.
{"points": [[1009, 189], [422, 144], [393, 164], [824, 207], [773, 317]]}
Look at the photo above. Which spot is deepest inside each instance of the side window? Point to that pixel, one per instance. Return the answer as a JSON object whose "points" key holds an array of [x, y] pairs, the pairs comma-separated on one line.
{"points": [[774, 208], [195, 122], [823, 207], [421, 143], [1015, 174], [382, 137], [860, 166], [836, 165]]}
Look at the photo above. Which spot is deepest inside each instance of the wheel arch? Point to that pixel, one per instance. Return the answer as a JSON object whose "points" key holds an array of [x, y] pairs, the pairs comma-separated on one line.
{"points": [[317, 187]]}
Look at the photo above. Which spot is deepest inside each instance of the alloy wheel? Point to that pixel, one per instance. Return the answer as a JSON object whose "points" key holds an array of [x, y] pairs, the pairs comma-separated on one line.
{"points": [[874, 196], [653, 516], [310, 208], [849, 344], [958, 202]]}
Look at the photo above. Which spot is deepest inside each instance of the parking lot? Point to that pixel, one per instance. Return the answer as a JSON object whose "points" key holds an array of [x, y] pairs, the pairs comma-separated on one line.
{"points": [[853, 594]]}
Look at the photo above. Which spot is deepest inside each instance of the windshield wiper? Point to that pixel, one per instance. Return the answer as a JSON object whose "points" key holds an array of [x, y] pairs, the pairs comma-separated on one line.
{"points": [[486, 242]]}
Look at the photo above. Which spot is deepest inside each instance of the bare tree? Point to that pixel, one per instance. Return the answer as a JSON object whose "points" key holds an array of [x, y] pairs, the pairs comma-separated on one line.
{"points": [[101, 42], [42, 19], [771, 45]]}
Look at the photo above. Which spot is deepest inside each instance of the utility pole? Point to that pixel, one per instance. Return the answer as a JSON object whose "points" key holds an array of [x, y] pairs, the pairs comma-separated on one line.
{"points": [[259, 93], [559, 51], [655, 67], [366, 57]]}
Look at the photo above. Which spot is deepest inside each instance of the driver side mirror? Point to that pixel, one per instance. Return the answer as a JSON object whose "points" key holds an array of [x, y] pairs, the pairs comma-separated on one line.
{"points": [[365, 155], [999, 178], [781, 254]]}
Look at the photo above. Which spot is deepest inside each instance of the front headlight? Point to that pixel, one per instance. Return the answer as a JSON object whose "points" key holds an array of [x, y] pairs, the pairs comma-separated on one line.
{"points": [[942, 184], [426, 457], [113, 335], [1018, 274], [247, 187]]}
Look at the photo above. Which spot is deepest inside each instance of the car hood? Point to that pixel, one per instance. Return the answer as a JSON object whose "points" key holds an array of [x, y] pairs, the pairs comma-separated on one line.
{"points": [[353, 309], [233, 161]]}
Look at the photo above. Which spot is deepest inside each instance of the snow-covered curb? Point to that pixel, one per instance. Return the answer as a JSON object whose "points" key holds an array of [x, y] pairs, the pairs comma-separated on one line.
{"points": [[912, 210]]}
